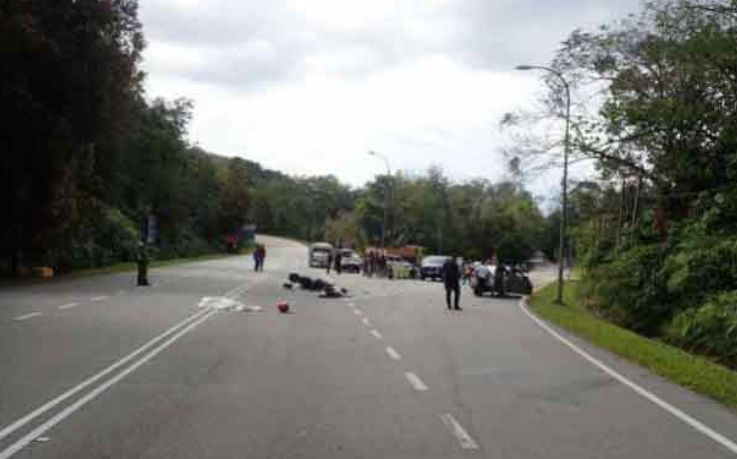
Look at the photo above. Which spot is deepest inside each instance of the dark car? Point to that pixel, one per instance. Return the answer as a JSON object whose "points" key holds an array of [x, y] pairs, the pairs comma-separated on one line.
{"points": [[432, 267], [511, 280]]}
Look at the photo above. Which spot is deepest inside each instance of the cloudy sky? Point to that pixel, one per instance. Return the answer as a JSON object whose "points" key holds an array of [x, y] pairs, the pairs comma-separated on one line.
{"points": [[309, 86]]}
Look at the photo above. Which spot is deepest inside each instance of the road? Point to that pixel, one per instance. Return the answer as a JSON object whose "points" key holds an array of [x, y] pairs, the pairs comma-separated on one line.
{"points": [[97, 368]]}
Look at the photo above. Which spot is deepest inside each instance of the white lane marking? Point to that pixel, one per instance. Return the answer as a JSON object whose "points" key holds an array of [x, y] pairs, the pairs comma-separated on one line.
{"points": [[415, 381], [68, 411], [27, 316], [358, 312], [366, 322], [68, 306], [52, 403], [457, 430], [99, 298], [351, 305], [694, 423], [392, 353], [376, 334]]}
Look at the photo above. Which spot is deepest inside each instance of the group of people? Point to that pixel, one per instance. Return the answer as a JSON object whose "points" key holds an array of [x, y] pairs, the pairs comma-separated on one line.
{"points": [[375, 264], [259, 257]]}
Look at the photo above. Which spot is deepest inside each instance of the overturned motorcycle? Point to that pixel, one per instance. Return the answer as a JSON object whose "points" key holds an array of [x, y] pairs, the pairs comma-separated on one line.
{"points": [[500, 281]]}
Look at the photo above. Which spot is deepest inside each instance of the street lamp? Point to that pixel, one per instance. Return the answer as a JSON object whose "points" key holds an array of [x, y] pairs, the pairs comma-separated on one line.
{"points": [[386, 196], [564, 214]]}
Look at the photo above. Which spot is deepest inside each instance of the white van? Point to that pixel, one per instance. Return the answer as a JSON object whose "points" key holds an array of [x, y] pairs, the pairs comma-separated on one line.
{"points": [[320, 253]]}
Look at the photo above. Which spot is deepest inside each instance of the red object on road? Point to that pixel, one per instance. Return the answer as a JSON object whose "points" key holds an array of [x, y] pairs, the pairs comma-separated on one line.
{"points": [[283, 307]]}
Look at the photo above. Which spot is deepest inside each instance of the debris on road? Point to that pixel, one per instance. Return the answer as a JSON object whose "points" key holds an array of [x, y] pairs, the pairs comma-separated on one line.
{"points": [[283, 307], [327, 289], [227, 304]]}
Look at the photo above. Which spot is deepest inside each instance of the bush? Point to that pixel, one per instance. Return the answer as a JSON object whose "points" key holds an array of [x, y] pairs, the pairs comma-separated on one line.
{"points": [[699, 267], [630, 290], [710, 329]]}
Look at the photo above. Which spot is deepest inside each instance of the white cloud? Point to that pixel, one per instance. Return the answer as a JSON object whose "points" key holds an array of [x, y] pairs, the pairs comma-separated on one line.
{"points": [[308, 87]]}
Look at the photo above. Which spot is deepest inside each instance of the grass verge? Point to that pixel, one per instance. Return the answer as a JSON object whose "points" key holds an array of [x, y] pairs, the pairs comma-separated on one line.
{"points": [[114, 269], [688, 370]]}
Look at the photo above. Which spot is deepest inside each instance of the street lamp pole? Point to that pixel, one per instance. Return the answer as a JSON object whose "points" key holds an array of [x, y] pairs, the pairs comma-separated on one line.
{"points": [[567, 148], [386, 196]]}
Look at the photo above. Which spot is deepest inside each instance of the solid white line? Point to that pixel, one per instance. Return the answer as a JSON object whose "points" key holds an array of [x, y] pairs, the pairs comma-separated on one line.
{"points": [[99, 298], [392, 353], [27, 316], [376, 334], [52, 403], [415, 381], [694, 423], [68, 306], [68, 411], [458, 431], [366, 322]]}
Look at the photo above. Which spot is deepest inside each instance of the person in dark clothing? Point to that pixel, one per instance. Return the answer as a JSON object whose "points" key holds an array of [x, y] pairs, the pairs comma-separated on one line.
{"points": [[261, 257], [338, 262], [330, 261], [452, 281], [142, 260]]}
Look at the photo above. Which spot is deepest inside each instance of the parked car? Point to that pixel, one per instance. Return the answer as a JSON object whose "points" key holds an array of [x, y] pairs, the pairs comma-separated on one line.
{"points": [[432, 267], [350, 261], [320, 253], [499, 281]]}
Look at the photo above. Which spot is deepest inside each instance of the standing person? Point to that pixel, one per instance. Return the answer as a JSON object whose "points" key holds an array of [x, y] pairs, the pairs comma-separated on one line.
{"points": [[452, 281], [330, 261], [142, 261], [338, 262], [261, 257], [256, 259]]}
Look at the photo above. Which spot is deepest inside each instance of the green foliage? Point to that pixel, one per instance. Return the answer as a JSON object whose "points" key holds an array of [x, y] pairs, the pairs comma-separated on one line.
{"points": [[630, 290], [710, 329]]}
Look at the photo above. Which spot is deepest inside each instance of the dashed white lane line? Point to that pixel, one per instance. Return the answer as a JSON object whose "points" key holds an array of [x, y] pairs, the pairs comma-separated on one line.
{"points": [[393, 354], [27, 316], [68, 306], [366, 322], [415, 381], [351, 305], [99, 298], [694, 423], [376, 334], [358, 312], [458, 431]]}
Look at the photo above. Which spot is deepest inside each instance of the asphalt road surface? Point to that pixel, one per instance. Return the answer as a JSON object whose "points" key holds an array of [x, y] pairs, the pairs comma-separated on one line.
{"points": [[97, 368]]}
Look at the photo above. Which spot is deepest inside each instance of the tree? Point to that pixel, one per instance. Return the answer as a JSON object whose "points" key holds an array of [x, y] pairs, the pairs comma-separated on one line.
{"points": [[70, 71], [234, 197]]}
